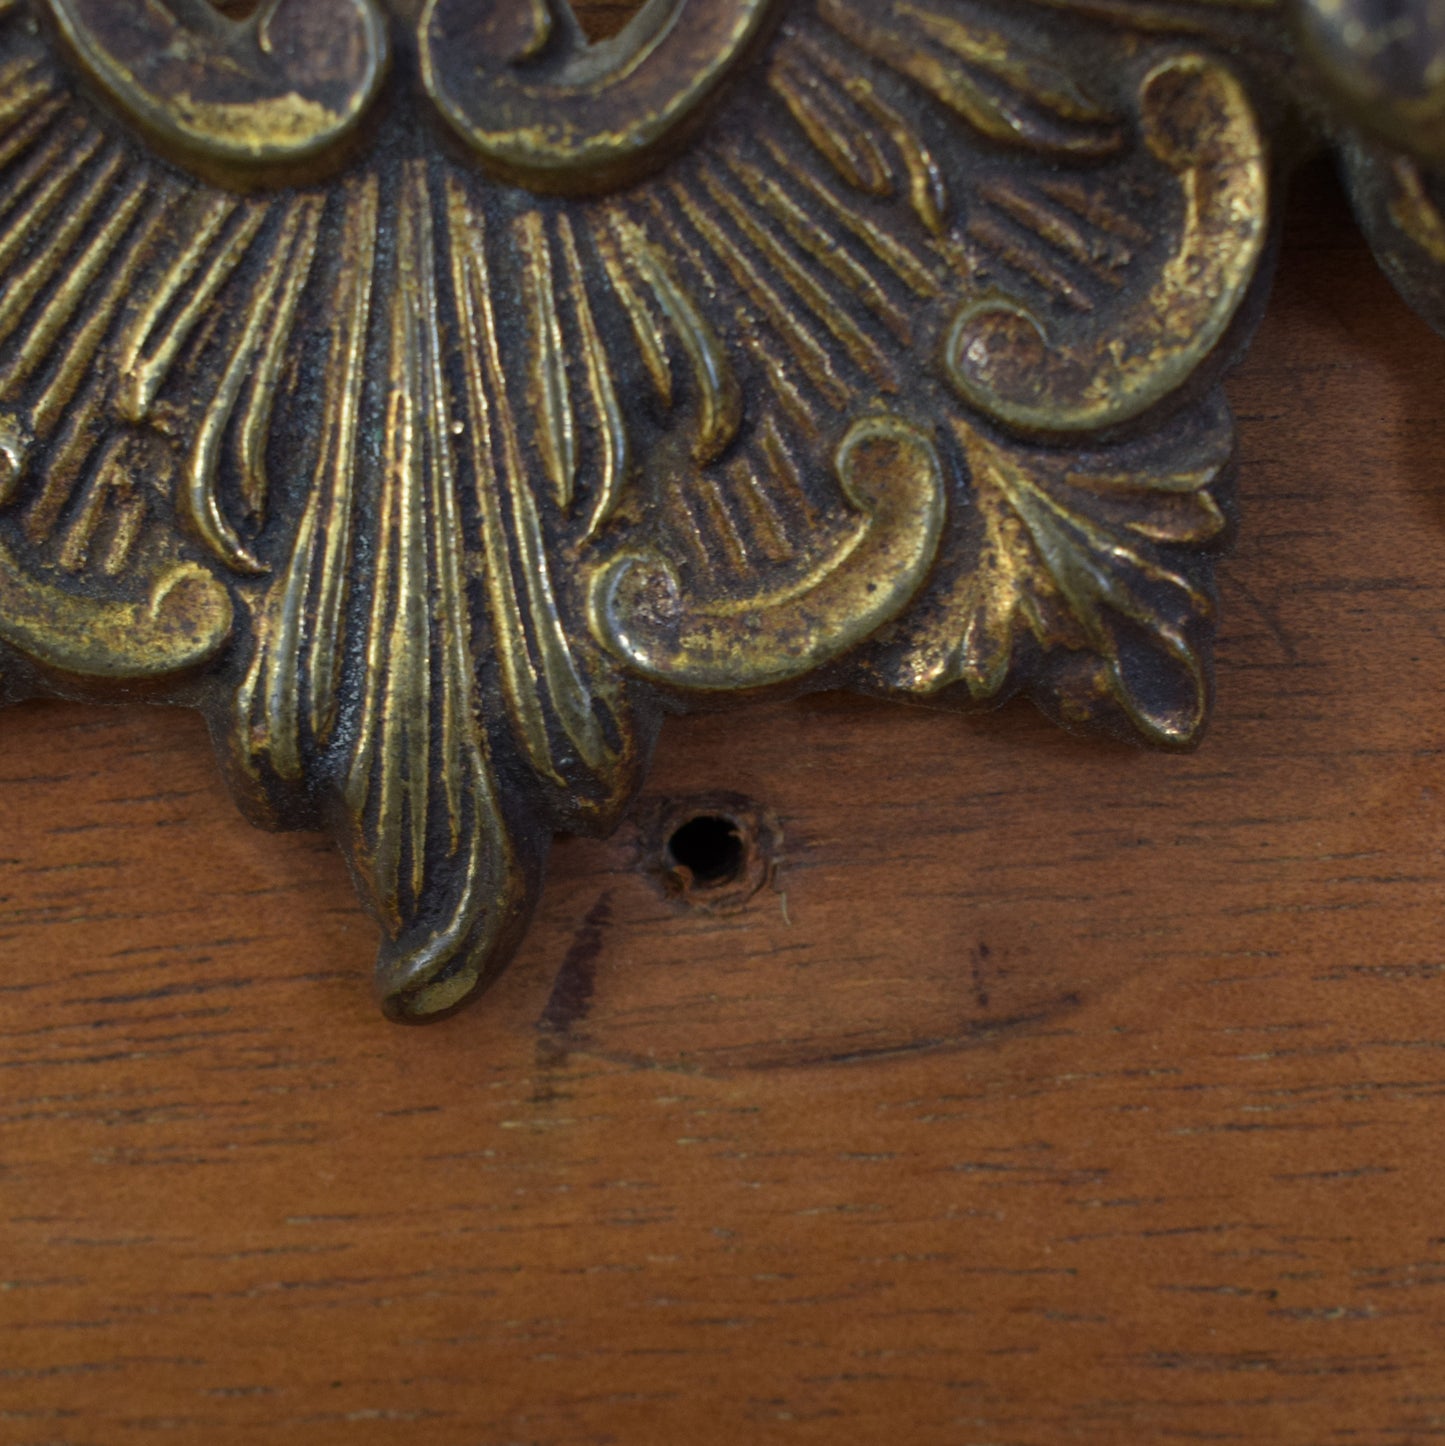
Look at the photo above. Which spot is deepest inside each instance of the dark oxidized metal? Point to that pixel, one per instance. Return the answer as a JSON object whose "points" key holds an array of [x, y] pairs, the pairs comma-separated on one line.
{"points": [[437, 399]]}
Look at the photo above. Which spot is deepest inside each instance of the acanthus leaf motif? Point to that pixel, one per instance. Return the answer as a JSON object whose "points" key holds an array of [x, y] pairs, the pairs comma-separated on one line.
{"points": [[490, 479], [1199, 124], [542, 106], [1087, 555], [994, 82]]}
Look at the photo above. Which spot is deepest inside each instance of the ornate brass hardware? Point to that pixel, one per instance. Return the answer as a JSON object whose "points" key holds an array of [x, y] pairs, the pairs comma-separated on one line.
{"points": [[520, 83], [281, 86], [437, 399]]}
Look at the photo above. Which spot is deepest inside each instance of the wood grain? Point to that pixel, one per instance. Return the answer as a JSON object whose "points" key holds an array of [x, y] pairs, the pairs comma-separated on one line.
{"points": [[1048, 1092]]}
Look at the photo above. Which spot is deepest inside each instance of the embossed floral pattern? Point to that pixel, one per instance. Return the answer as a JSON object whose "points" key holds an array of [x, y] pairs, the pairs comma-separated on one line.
{"points": [[439, 427]]}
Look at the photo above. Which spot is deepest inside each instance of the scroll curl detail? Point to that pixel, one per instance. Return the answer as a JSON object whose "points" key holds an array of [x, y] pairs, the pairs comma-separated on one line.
{"points": [[485, 486], [889, 471], [520, 83], [1199, 122], [280, 87], [183, 623]]}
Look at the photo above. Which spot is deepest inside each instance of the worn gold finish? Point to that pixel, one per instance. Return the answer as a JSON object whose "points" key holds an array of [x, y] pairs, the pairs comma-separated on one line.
{"points": [[438, 399], [521, 84], [887, 470], [280, 86], [1195, 119], [183, 621]]}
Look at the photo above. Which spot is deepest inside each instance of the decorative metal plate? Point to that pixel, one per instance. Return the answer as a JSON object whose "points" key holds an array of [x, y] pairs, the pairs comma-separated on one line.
{"points": [[437, 399]]}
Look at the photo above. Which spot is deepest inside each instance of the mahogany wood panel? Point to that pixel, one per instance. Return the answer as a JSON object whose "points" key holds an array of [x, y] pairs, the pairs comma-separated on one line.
{"points": [[1048, 1092]]}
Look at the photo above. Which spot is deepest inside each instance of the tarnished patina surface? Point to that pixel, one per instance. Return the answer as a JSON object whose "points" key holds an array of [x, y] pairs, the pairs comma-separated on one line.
{"points": [[437, 399]]}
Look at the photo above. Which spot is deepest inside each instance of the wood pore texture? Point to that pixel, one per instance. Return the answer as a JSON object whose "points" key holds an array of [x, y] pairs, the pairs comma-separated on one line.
{"points": [[1050, 1092]]}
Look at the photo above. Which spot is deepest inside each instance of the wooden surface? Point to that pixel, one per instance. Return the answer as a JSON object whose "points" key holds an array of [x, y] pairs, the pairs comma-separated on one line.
{"points": [[1050, 1092]]}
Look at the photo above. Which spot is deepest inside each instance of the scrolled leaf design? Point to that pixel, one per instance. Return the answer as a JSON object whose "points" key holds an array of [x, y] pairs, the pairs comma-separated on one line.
{"points": [[1198, 122], [539, 105], [278, 88], [901, 377], [998, 86], [183, 621], [889, 471], [1094, 560]]}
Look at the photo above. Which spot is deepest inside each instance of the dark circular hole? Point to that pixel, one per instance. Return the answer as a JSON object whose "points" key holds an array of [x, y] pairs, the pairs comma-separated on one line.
{"points": [[710, 848]]}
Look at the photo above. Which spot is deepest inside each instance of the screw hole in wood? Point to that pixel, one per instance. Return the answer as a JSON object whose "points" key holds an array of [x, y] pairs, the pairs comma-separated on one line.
{"points": [[710, 847], [711, 851]]}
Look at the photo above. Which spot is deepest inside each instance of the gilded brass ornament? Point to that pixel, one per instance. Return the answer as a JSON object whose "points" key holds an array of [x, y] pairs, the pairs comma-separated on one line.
{"points": [[437, 399]]}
